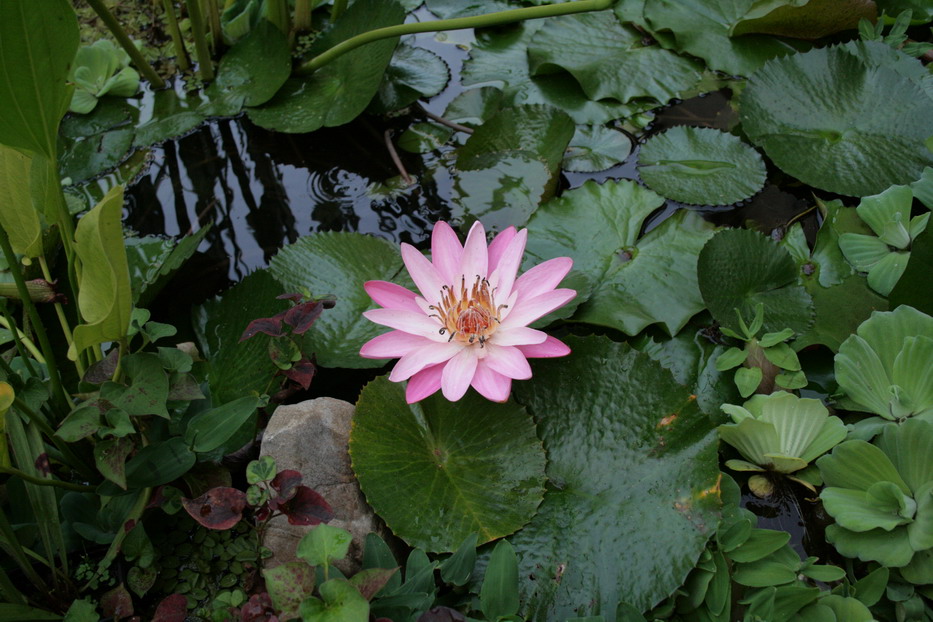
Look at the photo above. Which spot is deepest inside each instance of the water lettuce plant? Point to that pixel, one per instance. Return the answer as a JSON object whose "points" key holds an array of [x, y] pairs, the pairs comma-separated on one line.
{"points": [[881, 497], [101, 69], [469, 327], [884, 367]]}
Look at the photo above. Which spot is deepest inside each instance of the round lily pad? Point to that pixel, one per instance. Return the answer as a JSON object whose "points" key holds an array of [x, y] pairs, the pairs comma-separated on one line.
{"points": [[701, 166], [438, 471]]}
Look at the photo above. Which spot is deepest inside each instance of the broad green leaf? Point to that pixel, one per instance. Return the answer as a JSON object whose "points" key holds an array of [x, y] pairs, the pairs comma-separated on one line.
{"points": [[110, 458], [812, 20], [609, 59], [252, 70], [473, 106], [826, 117], [413, 73], [338, 264], [324, 545], [99, 69], [848, 609], [153, 260], [501, 58], [104, 294], [747, 380], [857, 511], [36, 50], [760, 544], [856, 465], [839, 311], [424, 137], [449, 9], [623, 282], [212, 428], [595, 148], [438, 471], [18, 217], [458, 568], [159, 463], [888, 215], [92, 155], [499, 592], [827, 256], [503, 191], [80, 423], [147, 392], [171, 115], [376, 554], [702, 166], [884, 275], [326, 98], [863, 251], [342, 603], [740, 269], [908, 446], [606, 465]]}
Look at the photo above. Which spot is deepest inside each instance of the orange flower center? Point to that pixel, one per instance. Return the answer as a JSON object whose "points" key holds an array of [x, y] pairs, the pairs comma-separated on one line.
{"points": [[470, 315]]}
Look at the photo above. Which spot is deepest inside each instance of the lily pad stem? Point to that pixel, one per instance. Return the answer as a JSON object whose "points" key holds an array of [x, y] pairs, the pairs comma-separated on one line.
{"points": [[402, 171], [458, 23], [117, 31], [201, 49], [181, 54]]}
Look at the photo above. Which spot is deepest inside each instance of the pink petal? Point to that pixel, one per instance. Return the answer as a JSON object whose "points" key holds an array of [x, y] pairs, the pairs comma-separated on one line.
{"points": [[423, 384], [544, 277], [518, 336], [504, 275], [508, 361], [446, 252], [422, 273], [491, 385], [458, 373], [392, 345], [475, 260], [407, 322], [549, 349], [528, 310], [390, 295], [422, 357], [498, 245]]}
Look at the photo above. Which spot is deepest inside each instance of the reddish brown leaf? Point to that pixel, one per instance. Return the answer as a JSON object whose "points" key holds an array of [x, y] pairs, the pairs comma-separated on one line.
{"points": [[371, 580], [258, 609], [296, 298], [173, 608], [268, 325], [218, 508], [302, 316], [288, 585], [285, 484], [307, 507], [442, 614], [117, 603], [42, 464], [301, 372]]}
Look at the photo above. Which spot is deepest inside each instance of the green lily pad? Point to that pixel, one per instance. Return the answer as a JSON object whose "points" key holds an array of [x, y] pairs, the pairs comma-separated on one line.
{"points": [[913, 288], [839, 310], [609, 59], [473, 106], [170, 116], [438, 471], [412, 73], [595, 148], [88, 157], [577, 557], [740, 269], [839, 123], [622, 281], [424, 137], [702, 166], [339, 91], [811, 20], [338, 264]]}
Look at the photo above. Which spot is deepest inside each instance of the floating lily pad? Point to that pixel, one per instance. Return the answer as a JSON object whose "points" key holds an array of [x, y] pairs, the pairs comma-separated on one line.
{"points": [[171, 116], [838, 123], [595, 148], [622, 281], [702, 166], [424, 137], [609, 60], [643, 452], [439, 471], [809, 20], [474, 106], [839, 310], [412, 73], [740, 269], [338, 264]]}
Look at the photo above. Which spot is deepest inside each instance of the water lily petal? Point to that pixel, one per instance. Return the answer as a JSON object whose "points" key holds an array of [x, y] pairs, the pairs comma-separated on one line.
{"points": [[422, 357], [544, 277], [424, 383], [422, 272], [392, 345], [518, 336], [390, 295], [549, 348], [406, 321], [491, 385], [458, 373], [503, 277], [475, 260], [527, 310], [498, 245], [446, 252], [508, 361]]}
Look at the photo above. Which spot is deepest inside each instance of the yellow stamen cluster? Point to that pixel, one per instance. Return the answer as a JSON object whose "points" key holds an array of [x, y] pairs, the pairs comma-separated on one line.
{"points": [[470, 315]]}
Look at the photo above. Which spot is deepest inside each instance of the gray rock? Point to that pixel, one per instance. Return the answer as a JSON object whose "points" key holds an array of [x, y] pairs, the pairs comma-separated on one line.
{"points": [[311, 437]]}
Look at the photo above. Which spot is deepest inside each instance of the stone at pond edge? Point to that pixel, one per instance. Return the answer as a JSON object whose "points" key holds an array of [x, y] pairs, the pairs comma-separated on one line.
{"points": [[311, 437]]}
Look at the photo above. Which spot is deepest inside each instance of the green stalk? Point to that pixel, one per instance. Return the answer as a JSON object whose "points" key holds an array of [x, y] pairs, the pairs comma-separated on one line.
{"points": [[60, 312], [10, 544], [68, 456], [38, 481], [459, 23], [201, 49], [277, 13], [117, 31], [23, 343], [181, 54], [58, 392], [134, 515], [213, 22], [336, 11], [302, 20]]}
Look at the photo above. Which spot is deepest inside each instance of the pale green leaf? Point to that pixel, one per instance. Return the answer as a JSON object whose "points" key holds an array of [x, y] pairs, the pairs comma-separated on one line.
{"points": [[18, 216]]}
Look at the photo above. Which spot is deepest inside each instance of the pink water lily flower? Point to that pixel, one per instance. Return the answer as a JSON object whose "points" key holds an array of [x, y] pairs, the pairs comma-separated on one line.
{"points": [[469, 326]]}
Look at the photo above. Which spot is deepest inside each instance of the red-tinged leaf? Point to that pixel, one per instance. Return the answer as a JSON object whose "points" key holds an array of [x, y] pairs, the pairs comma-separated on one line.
{"points": [[173, 608], [288, 585], [371, 580], [110, 459], [42, 464], [302, 316], [128, 525], [285, 484], [296, 298], [258, 609], [263, 513], [268, 325], [307, 507], [103, 370], [301, 372], [218, 508], [117, 603], [442, 614]]}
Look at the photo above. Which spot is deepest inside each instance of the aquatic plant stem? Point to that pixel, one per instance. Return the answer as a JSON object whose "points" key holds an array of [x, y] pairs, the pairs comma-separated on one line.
{"points": [[213, 25], [278, 14], [26, 341], [459, 23], [443, 121], [124, 40], [302, 20], [181, 54], [201, 50], [397, 160], [337, 9], [132, 517], [38, 481], [60, 312]]}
